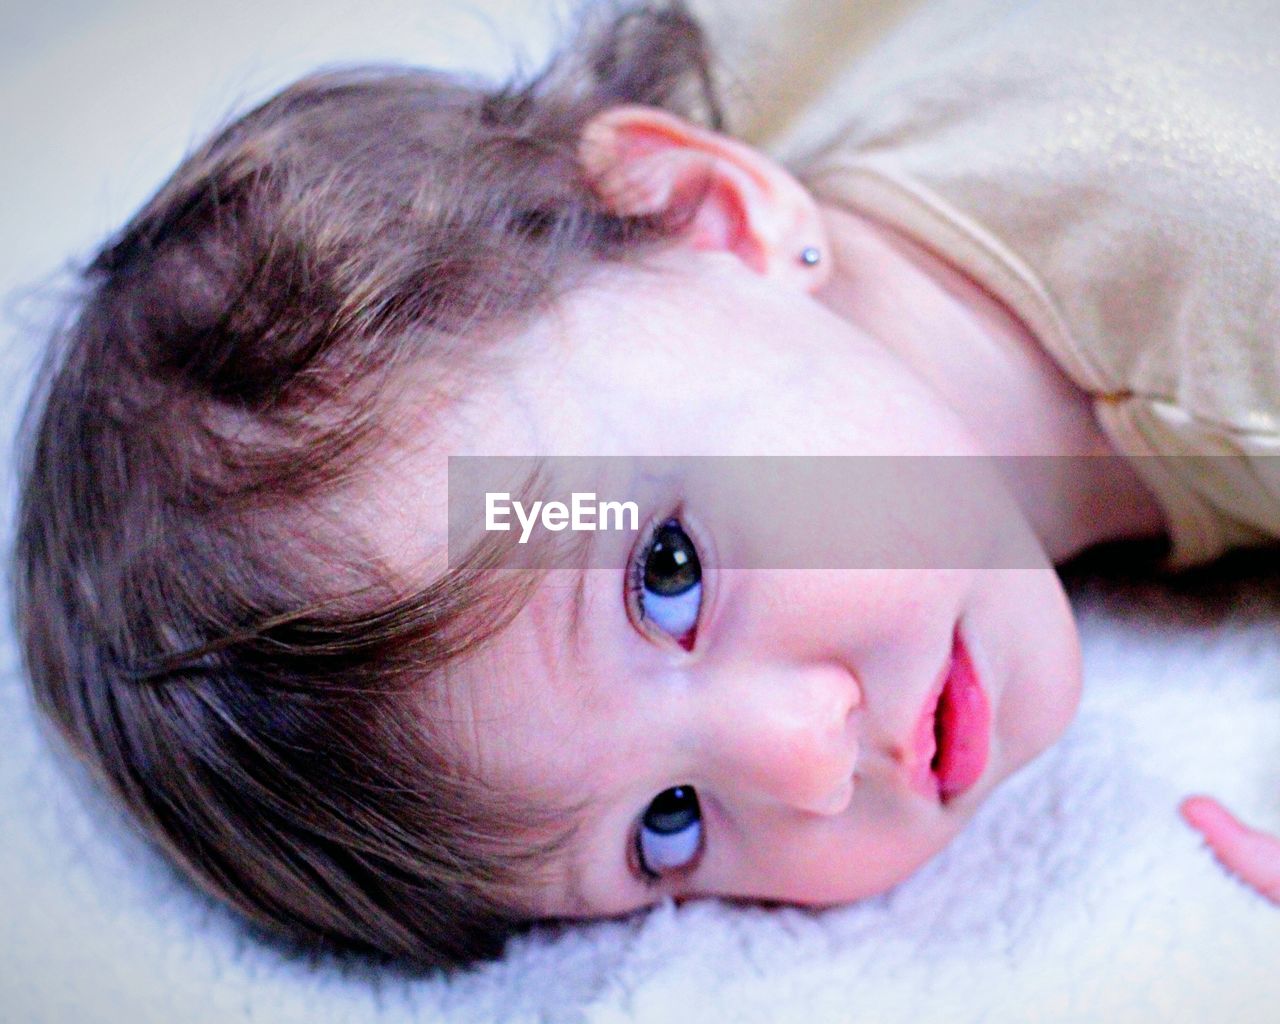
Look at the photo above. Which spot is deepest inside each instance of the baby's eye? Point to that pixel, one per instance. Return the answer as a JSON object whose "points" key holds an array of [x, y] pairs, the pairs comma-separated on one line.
{"points": [[670, 832], [667, 582]]}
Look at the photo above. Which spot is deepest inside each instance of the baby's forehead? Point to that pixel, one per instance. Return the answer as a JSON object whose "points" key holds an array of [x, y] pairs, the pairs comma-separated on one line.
{"points": [[398, 497], [518, 709]]}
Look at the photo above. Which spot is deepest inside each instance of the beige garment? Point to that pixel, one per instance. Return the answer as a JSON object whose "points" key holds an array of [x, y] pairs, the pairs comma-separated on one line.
{"points": [[1111, 170], [777, 56]]}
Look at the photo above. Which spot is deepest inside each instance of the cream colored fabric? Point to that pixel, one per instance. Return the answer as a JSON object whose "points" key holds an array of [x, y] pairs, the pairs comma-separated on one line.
{"points": [[775, 57], [1111, 170]]}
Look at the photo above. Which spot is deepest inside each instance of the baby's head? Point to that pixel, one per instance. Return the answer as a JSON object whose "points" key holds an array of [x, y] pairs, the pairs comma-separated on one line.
{"points": [[231, 579]]}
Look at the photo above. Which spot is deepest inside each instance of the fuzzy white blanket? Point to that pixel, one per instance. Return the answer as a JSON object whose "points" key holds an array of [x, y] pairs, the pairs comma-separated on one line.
{"points": [[1075, 894]]}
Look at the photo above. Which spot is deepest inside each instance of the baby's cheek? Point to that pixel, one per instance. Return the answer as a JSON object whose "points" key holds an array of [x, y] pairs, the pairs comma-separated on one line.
{"points": [[1027, 650], [887, 842]]}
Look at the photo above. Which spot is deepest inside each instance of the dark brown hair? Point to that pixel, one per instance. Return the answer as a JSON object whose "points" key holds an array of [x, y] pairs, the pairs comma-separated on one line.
{"points": [[242, 676]]}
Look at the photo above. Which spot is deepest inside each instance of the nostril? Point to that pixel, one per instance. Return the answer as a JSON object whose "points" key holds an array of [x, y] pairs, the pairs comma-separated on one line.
{"points": [[855, 701], [851, 700], [854, 697]]}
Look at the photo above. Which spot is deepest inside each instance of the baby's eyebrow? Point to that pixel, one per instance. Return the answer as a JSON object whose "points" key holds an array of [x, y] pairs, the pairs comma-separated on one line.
{"points": [[575, 898], [582, 547], [575, 609], [560, 855], [573, 855]]}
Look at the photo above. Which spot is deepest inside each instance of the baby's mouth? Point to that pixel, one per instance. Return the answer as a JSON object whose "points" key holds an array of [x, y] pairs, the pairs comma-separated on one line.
{"points": [[954, 731]]}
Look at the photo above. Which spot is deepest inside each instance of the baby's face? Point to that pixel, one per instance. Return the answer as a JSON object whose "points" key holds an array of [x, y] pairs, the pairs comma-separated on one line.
{"points": [[757, 733]]}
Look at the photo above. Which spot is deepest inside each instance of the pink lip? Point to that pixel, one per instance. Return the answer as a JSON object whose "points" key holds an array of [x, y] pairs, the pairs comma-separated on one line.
{"points": [[957, 704]]}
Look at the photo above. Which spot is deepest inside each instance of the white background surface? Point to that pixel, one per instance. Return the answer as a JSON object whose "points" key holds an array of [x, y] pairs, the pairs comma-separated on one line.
{"points": [[1075, 894]]}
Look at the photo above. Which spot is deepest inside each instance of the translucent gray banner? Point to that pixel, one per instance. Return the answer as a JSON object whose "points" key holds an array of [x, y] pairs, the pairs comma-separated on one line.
{"points": [[783, 512]]}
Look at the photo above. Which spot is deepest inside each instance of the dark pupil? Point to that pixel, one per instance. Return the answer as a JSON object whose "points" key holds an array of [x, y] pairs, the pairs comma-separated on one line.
{"points": [[672, 566], [672, 811]]}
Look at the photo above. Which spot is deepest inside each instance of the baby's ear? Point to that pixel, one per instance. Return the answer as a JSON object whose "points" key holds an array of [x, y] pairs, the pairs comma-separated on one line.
{"points": [[645, 161]]}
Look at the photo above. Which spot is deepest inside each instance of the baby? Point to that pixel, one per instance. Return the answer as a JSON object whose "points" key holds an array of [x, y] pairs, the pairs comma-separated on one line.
{"points": [[1020, 230]]}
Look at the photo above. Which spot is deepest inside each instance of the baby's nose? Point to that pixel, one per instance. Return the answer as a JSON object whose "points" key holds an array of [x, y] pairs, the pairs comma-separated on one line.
{"points": [[789, 736]]}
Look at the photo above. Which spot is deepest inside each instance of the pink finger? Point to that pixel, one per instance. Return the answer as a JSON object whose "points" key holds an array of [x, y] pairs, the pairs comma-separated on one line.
{"points": [[1207, 815], [1253, 856]]}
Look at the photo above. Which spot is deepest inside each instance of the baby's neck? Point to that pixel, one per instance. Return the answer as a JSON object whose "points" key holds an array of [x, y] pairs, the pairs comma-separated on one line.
{"points": [[984, 363]]}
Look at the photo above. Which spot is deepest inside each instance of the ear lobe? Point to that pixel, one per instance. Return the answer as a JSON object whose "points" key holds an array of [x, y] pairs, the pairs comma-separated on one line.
{"points": [[645, 161]]}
